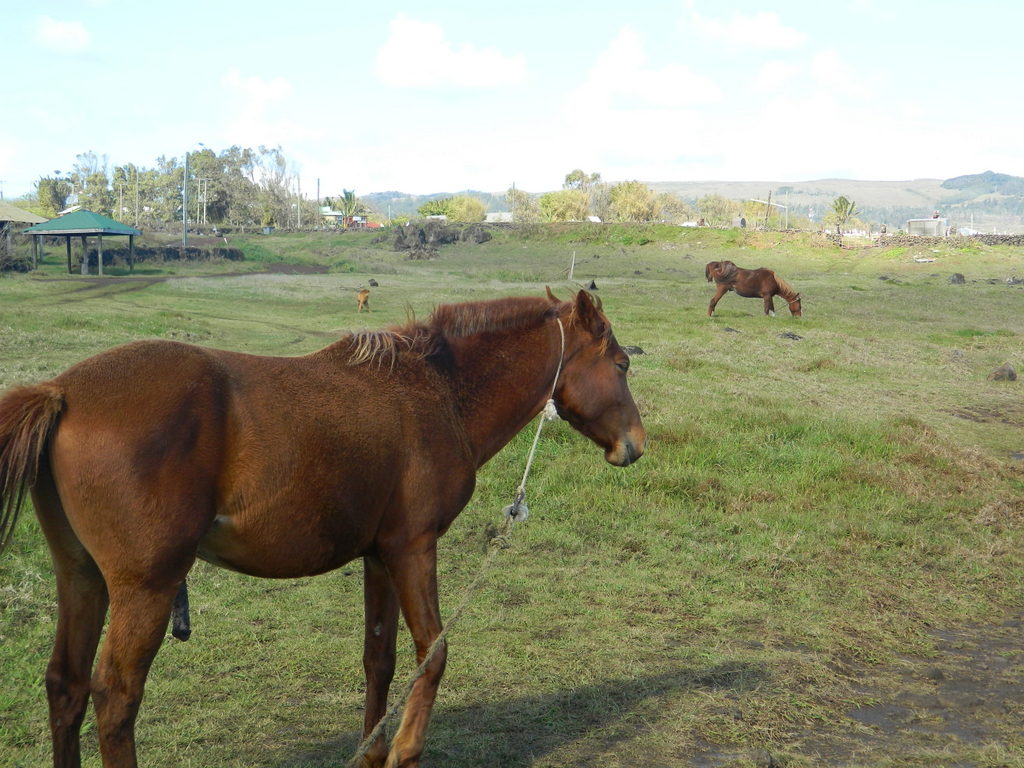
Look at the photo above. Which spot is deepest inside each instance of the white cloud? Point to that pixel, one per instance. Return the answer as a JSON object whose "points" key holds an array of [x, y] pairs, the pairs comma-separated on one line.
{"points": [[621, 80], [774, 75], [258, 91], [8, 152], [255, 123], [830, 71], [630, 120], [62, 36], [417, 54], [763, 29]]}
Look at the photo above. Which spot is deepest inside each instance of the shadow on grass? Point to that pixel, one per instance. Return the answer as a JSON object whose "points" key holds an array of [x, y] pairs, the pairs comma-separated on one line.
{"points": [[517, 732]]}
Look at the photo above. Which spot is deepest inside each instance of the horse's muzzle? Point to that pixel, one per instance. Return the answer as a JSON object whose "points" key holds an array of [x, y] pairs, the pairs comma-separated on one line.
{"points": [[625, 453]]}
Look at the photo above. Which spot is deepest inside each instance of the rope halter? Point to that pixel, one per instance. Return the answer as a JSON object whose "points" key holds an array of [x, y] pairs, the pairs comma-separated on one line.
{"points": [[517, 511]]}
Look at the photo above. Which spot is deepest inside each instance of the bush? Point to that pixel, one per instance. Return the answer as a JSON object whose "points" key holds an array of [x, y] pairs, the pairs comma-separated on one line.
{"points": [[14, 262]]}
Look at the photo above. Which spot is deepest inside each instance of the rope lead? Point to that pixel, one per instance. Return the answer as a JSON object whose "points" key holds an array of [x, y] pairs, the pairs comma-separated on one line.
{"points": [[498, 540]]}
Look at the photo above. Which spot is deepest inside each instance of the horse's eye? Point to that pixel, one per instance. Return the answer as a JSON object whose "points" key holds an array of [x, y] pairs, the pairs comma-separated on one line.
{"points": [[623, 365]]}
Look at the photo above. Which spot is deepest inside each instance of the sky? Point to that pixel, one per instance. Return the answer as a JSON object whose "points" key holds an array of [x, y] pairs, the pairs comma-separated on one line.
{"points": [[456, 95]]}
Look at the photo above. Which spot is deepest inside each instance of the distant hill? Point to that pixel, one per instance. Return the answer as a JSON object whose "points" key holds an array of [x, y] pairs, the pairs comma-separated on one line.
{"points": [[986, 183], [990, 202]]}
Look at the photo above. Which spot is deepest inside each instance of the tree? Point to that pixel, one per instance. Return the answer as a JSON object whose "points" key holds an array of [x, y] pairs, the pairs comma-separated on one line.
{"points": [[577, 179], [633, 201], [274, 183], [207, 192], [466, 209], [717, 211], [523, 206], [565, 205], [348, 205], [239, 166], [842, 212], [240, 187], [52, 193], [90, 179], [673, 209], [437, 207], [597, 192]]}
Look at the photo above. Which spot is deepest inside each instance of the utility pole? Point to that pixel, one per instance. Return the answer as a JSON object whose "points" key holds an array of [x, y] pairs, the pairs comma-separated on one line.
{"points": [[184, 198], [202, 185], [184, 206]]}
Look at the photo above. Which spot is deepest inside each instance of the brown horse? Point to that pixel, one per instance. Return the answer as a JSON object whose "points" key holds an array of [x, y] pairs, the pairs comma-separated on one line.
{"points": [[750, 283], [149, 455], [363, 300]]}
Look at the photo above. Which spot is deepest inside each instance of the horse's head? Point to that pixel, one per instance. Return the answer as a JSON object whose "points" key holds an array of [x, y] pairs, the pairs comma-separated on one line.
{"points": [[794, 306], [592, 393], [710, 268]]}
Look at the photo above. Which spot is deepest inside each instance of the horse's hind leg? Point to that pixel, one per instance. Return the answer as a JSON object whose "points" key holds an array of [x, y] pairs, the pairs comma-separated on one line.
{"points": [[139, 612], [81, 608]]}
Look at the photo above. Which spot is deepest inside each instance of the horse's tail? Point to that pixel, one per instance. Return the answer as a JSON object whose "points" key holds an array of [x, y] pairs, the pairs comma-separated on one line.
{"points": [[27, 418]]}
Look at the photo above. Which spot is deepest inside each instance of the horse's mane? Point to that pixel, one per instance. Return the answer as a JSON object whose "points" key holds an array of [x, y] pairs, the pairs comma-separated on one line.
{"points": [[447, 321], [721, 272], [786, 290]]}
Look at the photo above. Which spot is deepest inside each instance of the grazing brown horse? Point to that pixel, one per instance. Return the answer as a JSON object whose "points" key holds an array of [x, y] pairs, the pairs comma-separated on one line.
{"points": [[149, 455], [363, 300], [751, 283]]}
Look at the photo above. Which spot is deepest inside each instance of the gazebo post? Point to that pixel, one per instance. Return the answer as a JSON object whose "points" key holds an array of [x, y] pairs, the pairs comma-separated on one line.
{"points": [[67, 243], [99, 255], [131, 253], [85, 258]]}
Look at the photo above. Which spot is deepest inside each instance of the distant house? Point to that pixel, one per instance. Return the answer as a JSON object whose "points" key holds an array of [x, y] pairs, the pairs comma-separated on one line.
{"points": [[12, 215], [334, 217], [933, 227], [348, 222]]}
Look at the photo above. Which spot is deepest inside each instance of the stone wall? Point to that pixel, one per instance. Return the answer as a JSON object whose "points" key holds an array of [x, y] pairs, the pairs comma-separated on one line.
{"points": [[956, 241]]}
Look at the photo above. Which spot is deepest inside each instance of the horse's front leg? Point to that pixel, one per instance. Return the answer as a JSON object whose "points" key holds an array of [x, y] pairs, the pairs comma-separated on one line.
{"points": [[720, 291], [414, 574], [381, 614], [769, 305]]}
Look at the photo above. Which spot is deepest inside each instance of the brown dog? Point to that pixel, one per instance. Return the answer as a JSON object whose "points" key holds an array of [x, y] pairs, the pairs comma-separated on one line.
{"points": [[363, 300]]}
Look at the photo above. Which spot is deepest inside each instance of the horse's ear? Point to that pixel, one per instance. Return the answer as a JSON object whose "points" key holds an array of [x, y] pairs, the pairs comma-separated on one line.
{"points": [[589, 314], [551, 296]]}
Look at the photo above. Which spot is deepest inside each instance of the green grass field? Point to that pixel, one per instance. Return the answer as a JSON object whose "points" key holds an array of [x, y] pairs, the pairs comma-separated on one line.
{"points": [[824, 530]]}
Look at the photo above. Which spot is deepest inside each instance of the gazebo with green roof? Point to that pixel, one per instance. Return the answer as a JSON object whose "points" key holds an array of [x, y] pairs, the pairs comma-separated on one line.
{"points": [[82, 223]]}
